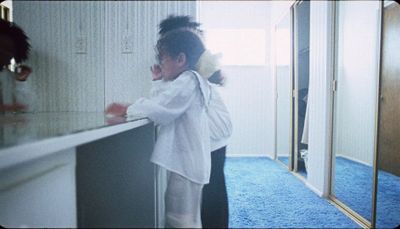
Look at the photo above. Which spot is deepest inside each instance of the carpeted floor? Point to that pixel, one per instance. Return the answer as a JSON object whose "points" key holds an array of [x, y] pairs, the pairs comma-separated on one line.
{"points": [[301, 169], [263, 194], [354, 184]]}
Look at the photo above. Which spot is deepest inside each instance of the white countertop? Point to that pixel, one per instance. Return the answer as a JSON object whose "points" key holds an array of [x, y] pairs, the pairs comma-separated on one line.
{"points": [[28, 136]]}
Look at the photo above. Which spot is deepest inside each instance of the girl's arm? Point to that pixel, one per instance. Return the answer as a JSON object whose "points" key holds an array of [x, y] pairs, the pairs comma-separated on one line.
{"points": [[170, 103]]}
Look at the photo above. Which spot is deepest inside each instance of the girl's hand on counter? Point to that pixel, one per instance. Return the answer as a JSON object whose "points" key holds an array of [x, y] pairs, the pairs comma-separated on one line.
{"points": [[116, 109]]}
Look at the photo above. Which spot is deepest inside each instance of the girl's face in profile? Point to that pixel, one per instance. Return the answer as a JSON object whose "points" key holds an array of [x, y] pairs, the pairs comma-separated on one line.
{"points": [[170, 67]]}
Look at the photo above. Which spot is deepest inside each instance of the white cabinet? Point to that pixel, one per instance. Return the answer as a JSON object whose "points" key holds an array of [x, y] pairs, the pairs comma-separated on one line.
{"points": [[73, 170], [40, 193]]}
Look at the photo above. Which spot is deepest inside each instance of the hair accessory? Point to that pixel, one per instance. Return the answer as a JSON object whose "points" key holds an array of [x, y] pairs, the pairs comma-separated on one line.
{"points": [[208, 63]]}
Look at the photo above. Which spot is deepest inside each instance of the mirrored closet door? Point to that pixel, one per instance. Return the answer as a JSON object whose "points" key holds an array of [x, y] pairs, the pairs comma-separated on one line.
{"points": [[388, 169], [355, 106], [283, 73], [301, 82]]}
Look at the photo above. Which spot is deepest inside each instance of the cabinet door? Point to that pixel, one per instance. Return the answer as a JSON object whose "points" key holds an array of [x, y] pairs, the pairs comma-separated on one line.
{"points": [[40, 193], [116, 184]]}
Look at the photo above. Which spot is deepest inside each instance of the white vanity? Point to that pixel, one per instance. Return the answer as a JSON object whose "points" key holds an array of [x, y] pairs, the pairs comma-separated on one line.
{"points": [[76, 170]]}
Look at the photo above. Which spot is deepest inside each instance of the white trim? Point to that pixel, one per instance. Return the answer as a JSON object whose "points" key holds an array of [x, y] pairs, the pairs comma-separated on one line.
{"points": [[330, 68], [284, 12], [315, 190], [284, 155], [388, 3], [353, 159], [9, 5], [29, 151], [249, 155]]}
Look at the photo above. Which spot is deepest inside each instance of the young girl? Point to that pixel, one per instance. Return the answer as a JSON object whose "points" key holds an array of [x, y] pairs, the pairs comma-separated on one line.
{"points": [[183, 143], [214, 207]]}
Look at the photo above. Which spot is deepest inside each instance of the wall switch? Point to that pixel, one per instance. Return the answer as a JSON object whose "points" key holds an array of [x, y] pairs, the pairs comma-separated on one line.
{"points": [[81, 45], [126, 44]]}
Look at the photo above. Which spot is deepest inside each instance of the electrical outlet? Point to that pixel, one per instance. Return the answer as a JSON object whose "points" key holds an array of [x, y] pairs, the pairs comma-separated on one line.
{"points": [[126, 45], [81, 45]]}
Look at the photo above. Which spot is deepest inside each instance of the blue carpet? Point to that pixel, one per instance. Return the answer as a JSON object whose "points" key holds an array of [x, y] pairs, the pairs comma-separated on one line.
{"points": [[285, 160], [263, 194], [354, 185], [388, 201]]}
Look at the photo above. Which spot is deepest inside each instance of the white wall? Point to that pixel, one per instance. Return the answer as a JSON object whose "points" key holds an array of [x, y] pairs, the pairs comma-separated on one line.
{"points": [[64, 80], [279, 9], [320, 95], [248, 93]]}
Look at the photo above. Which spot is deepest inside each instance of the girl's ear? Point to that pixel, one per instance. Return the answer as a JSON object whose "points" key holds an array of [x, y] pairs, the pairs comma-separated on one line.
{"points": [[182, 59]]}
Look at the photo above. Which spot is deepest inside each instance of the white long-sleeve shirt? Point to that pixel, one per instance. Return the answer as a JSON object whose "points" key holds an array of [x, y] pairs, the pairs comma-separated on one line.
{"points": [[219, 120], [218, 116], [183, 142]]}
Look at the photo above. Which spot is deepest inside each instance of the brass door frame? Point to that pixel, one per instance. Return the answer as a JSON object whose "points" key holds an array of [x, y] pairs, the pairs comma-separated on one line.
{"points": [[292, 92], [295, 92], [357, 217], [290, 163], [383, 5]]}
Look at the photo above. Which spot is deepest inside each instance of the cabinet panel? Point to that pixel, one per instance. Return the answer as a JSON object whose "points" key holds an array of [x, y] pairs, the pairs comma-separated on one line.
{"points": [[40, 193], [116, 181]]}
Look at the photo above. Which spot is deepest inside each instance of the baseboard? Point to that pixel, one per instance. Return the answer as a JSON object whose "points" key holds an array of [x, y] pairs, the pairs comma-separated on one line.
{"points": [[249, 155], [353, 159], [315, 190]]}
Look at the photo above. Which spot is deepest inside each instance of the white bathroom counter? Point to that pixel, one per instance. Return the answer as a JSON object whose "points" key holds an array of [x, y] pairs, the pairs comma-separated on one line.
{"points": [[28, 136], [77, 169]]}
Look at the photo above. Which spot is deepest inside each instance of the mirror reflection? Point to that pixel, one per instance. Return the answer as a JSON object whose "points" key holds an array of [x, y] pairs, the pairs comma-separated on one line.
{"points": [[283, 88], [357, 60], [388, 188], [302, 63]]}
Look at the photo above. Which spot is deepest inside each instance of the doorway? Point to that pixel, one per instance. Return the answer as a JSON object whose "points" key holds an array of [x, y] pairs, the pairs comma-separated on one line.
{"points": [[301, 84]]}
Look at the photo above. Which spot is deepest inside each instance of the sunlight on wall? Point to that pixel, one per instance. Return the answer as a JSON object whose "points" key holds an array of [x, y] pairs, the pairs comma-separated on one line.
{"points": [[242, 47], [282, 47]]}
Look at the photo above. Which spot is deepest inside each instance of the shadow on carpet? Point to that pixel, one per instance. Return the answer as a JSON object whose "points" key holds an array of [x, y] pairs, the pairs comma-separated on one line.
{"points": [[263, 194]]}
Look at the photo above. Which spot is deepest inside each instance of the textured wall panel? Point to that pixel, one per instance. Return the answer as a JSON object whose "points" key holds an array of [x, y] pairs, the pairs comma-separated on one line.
{"points": [[248, 94], [320, 94], [127, 75], [64, 80]]}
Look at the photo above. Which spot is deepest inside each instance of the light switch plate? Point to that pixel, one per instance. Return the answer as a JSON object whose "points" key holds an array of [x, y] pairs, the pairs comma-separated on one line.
{"points": [[126, 44], [81, 45]]}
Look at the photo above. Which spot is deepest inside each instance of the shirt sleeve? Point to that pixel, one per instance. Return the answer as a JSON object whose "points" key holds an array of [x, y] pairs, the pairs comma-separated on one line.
{"points": [[157, 86], [219, 118], [169, 104]]}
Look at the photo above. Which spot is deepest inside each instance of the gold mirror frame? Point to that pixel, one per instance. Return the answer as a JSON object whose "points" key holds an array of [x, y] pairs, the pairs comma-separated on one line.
{"points": [[347, 210]]}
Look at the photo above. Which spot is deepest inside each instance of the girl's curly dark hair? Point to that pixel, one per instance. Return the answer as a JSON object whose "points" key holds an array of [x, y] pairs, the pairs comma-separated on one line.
{"points": [[173, 22], [181, 41], [178, 22], [18, 36]]}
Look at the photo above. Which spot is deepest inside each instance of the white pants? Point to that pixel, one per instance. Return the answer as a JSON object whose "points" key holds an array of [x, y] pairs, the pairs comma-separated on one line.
{"points": [[182, 202]]}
